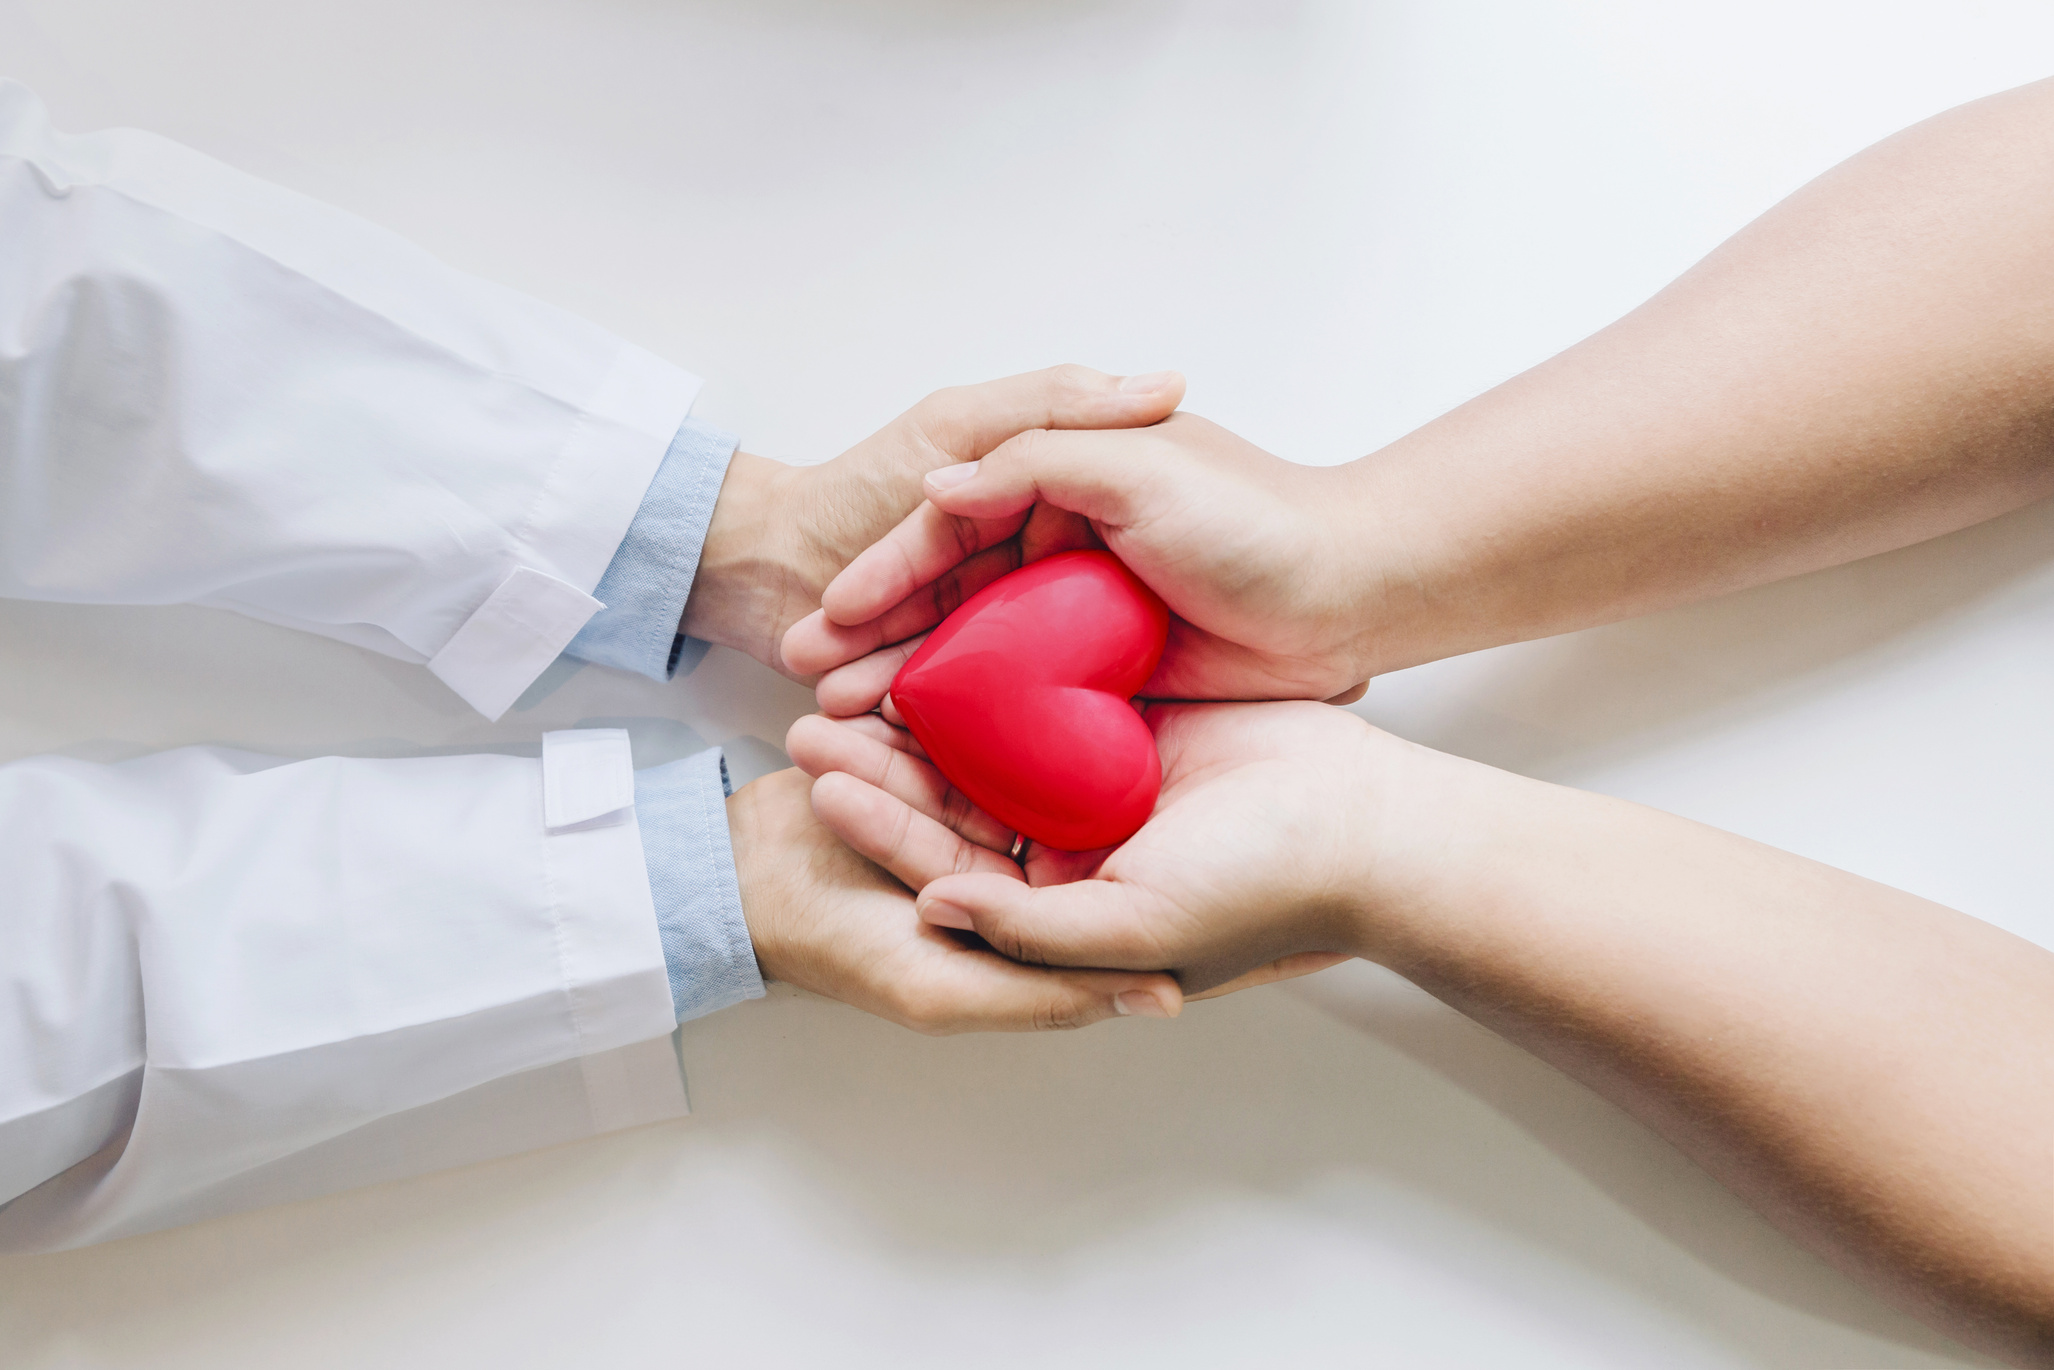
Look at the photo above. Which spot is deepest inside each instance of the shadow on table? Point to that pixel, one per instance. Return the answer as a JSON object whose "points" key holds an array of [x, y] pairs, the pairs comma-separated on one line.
{"points": [[1331, 1098]]}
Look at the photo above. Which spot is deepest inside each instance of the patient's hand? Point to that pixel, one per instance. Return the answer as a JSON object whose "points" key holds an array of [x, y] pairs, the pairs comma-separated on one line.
{"points": [[780, 533], [1245, 873], [827, 920], [1273, 571]]}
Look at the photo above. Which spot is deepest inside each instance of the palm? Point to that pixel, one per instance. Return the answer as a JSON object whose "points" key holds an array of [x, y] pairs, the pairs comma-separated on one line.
{"points": [[1235, 787], [823, 918], [1236, 791]]}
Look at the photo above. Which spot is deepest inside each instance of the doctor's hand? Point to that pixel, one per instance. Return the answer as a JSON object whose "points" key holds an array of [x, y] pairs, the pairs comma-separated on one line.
{"points": [[827, 920], [1242, 876], [780, 533], [1260, 560]]}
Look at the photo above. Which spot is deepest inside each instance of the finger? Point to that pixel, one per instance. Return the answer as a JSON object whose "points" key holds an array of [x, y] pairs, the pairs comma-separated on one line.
{"points": [[962, 424], [928, 605], [1285, 968], [1087, 923], [886, 829], [1104, 476], [967, 421], [890, 712], [977, 504], [897, 738], [1351, 694], [860, 686], [1052, 866], [1050, 530], [972, 990], [1197, 664], [926, 543], [820, 644], [819, 746], [823, 643]]}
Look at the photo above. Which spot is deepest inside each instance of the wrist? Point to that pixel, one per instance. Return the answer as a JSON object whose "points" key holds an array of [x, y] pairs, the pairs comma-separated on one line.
{"points": [[1456, 853], [1368, 552], [744, 575], [1424, 825]]}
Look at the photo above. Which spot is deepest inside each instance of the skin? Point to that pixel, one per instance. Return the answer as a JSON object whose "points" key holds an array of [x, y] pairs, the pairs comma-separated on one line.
{"points": [[780, 533], [820, 916], [826, 919], [1868, 365], [875, 787]]}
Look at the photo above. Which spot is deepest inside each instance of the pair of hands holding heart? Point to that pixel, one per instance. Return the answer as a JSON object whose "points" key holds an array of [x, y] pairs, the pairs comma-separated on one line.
{"points": [[1231, 563]]}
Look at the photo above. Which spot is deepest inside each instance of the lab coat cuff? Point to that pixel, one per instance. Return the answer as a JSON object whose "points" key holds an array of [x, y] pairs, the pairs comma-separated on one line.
{"points": [[580, 515], [650, 577], [681, 809]]}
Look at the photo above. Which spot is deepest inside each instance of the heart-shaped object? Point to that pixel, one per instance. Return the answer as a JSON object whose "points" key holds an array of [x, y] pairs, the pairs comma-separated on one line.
{"points": [[1022, 699]]}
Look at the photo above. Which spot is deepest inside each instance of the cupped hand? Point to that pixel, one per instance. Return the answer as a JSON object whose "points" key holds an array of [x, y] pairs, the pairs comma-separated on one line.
{"points": [[1246, 872], [1248, 551], [826, 919], [779, 534]]}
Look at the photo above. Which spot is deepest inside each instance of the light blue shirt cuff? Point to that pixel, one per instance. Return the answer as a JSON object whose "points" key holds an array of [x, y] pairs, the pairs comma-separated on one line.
{"points": [[681, 809], [650, 577]]}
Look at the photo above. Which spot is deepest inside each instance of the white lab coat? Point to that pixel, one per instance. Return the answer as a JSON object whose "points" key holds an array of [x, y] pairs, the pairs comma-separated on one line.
{"points": [[226, 979]]}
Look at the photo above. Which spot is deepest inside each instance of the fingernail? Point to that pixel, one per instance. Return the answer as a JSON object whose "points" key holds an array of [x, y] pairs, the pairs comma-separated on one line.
{"points": [[943, 914], [1148, 384], [1139, 1003], [949, 477]]}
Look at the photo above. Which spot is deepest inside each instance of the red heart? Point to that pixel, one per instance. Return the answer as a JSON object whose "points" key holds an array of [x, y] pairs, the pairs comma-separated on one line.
{"points": [[1021, 699]]}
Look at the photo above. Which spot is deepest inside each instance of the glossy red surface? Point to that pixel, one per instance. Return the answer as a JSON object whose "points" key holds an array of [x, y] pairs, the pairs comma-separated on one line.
{"points": [[1021, 698]]}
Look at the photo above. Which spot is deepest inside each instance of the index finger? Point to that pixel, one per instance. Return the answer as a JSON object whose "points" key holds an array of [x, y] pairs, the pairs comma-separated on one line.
{"points": [[926, 543]]}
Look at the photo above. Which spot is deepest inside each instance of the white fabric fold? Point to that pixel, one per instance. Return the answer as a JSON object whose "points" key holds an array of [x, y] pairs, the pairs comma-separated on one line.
{"points": [[217, 391], [588, 778], [217, 963]]}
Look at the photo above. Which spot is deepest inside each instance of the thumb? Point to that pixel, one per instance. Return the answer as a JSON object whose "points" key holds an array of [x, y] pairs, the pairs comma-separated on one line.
{"points": [[1103, 475], [1085, 923], [967, 421]]}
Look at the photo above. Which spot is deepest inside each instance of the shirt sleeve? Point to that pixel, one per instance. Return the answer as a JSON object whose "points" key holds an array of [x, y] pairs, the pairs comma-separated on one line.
{"points": [[682, 810], [645, 587], [681, 806]]}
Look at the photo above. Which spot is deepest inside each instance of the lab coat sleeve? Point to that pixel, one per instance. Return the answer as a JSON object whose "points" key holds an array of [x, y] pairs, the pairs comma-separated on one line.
{"points": [[217, 965], [216, 391]]}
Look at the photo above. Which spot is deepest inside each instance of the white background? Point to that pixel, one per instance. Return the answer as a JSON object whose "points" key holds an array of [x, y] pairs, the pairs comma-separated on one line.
{"points": [[1339, 219]]}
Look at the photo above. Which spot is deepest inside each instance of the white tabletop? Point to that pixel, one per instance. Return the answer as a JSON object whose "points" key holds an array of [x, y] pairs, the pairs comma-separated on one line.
{"points": [[1339, 218]]}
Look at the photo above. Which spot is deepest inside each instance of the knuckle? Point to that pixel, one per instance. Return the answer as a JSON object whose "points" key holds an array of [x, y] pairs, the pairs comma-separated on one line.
{"points": [[894, 846], [969, 539], [926, 1012], [940, 403], [1061, 1015], [1008, 942], [938, 417], [1026, 449], [890, 770], [1071, 377], [946, 594], [955, 808]]}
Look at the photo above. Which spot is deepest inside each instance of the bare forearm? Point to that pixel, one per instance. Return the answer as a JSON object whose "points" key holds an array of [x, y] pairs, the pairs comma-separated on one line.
{"points": [[1868, 365], [1868, 1068]]}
